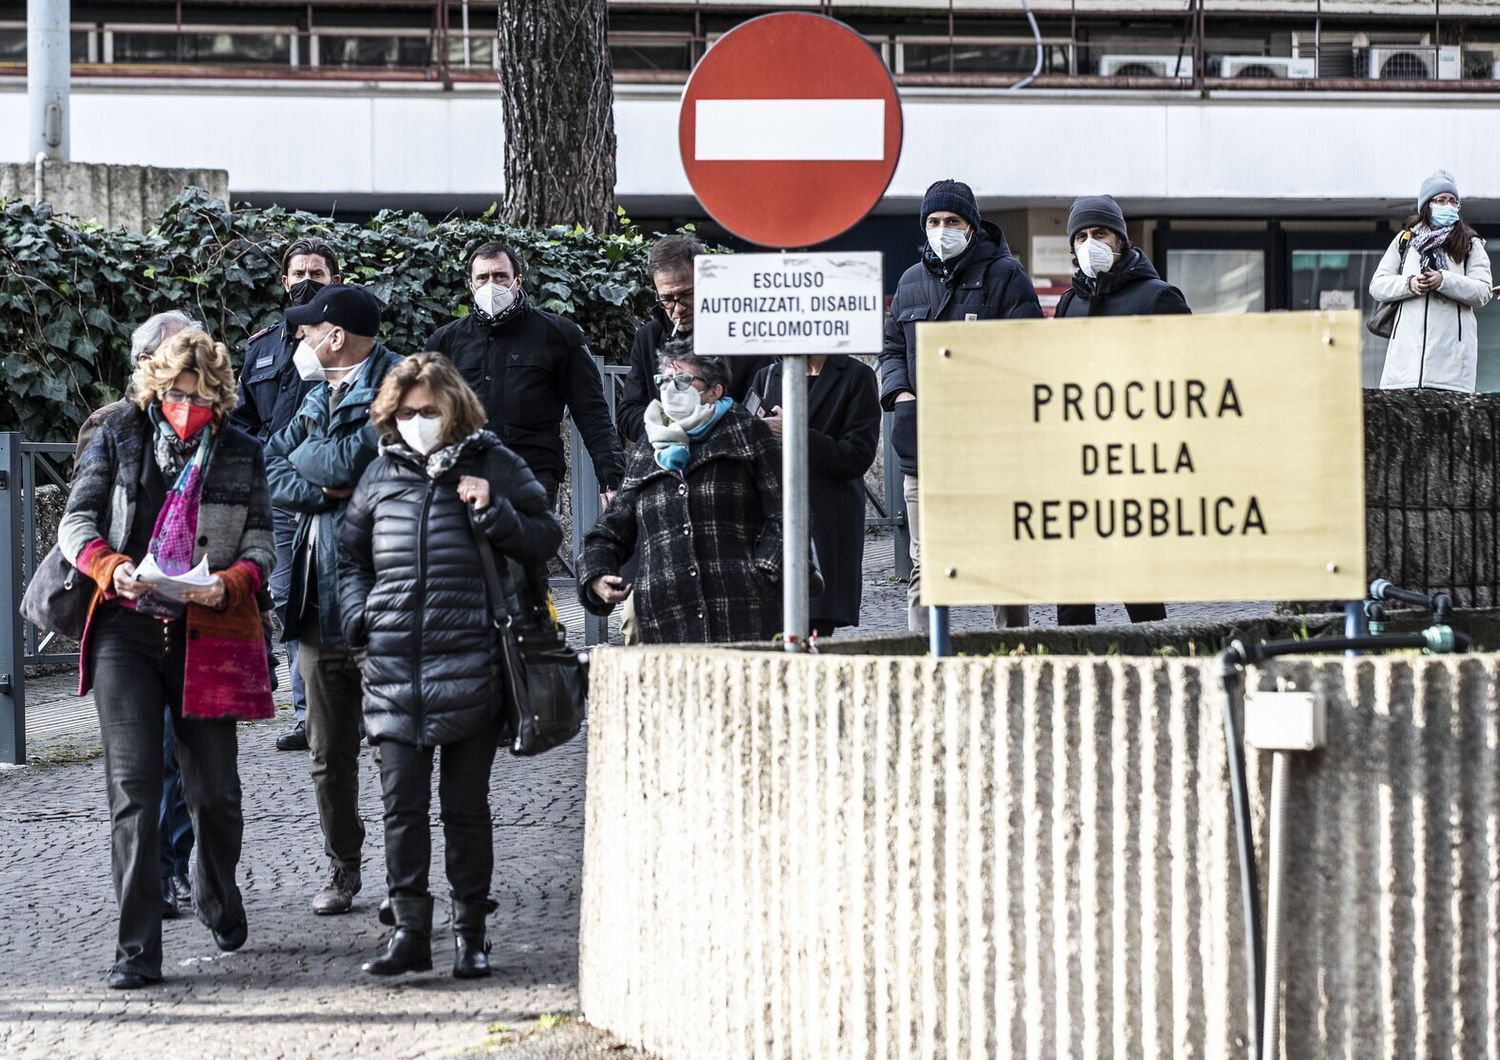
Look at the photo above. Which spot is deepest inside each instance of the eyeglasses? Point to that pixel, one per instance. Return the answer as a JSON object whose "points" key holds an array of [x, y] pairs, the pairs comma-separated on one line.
{"points": [[179, 397], [681, 382], [407, 412], [680, 298]]}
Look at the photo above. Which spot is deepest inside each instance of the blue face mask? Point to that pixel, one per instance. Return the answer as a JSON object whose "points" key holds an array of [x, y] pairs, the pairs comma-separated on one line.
{"points": [[1443, 216]]}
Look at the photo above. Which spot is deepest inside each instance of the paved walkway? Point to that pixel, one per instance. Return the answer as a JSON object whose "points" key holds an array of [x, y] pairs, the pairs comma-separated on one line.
{"points": [[295, 990]]}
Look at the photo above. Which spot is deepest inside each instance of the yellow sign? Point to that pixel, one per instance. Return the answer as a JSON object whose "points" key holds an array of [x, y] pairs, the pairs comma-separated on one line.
{"points": [[1142, 459]]}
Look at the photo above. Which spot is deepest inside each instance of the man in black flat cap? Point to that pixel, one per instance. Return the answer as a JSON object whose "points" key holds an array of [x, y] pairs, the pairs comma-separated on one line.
{"points": [[313, 464]]}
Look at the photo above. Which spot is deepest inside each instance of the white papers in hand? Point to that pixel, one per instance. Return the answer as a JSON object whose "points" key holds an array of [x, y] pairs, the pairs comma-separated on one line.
{"points": [[173, 586]]}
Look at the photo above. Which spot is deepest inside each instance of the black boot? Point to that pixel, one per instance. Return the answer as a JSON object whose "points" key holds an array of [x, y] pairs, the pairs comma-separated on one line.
{"points": [[410, 948], [470, 950]]}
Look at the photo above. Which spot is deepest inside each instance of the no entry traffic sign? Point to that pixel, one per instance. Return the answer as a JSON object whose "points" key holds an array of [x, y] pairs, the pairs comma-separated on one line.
{"points": [[790, 129]]}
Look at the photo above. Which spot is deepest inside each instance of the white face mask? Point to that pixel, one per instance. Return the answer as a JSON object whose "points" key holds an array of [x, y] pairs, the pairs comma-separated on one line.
{"points": [[305, 360], [421, 433], [494, 298], [947, 243], [1094, 257], [679, 404]]}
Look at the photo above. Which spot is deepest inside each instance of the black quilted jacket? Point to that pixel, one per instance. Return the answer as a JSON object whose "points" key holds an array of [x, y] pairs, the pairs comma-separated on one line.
{"points": [[411, 589]]}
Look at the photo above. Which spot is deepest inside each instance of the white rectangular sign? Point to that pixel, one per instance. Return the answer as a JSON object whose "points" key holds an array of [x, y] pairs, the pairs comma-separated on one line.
{"points": [[790, 130], [757, 304]]}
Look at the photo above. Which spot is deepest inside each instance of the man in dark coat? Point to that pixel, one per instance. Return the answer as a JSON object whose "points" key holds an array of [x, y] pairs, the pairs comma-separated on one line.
{"points": [[843, 435], [271, 390], [967, 272], [313, 464], [528, 367], [1113, 279], [670, 266]]}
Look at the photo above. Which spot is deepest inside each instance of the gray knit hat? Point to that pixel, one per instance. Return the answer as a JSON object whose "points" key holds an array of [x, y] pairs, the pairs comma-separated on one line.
{"points": [[1436, 184], [1091, 210]]}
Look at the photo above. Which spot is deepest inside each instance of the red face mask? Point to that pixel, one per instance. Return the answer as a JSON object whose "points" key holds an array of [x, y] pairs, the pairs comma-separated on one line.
{"points": [[186, 418]]}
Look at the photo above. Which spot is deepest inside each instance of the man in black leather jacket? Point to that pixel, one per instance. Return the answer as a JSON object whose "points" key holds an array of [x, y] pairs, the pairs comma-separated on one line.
{"points": [[966, 272], [528, 367]]}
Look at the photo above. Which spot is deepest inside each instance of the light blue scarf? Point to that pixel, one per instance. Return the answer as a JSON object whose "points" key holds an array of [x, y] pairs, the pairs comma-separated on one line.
{"points": [[674, 455]]}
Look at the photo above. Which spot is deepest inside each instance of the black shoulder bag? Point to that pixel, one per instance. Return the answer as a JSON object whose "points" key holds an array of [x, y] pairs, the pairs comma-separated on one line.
{"points": [[545, 683]]}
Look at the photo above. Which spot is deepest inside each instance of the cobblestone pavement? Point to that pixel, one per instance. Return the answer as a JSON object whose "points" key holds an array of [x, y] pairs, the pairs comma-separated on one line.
{"points": [[296, 990]]}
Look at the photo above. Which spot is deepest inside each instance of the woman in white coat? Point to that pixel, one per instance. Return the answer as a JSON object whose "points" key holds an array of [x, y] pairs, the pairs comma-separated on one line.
{"points": [[1439, 272]]}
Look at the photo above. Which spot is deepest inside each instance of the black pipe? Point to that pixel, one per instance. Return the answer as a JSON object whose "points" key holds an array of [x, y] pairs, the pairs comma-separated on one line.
{"points": [[1230, 673]]}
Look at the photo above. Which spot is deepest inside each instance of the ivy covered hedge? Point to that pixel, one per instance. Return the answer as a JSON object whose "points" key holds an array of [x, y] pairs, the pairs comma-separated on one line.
{"points": [[71, 292]]}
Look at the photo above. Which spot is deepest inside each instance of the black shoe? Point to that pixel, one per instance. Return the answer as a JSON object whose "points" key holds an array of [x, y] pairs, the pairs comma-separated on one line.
{"points": [[470, 955], [171, 908], [294, 739], [122, 979], [234, 938], [182, 890], [407, 951]]}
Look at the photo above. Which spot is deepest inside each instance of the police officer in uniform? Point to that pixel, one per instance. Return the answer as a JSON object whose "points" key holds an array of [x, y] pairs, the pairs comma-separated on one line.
{"points": [[271, 391]]}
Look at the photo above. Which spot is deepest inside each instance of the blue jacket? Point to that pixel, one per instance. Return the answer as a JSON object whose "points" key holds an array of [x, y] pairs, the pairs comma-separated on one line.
{"points": [[319, 449], [983, 283], [270, 389]]}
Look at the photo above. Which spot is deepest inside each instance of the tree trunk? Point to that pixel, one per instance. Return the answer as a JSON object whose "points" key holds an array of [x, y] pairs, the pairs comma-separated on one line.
{"points": [[557, 87]]}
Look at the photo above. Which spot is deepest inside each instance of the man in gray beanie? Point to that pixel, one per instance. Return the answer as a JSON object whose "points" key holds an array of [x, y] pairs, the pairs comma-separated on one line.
{"points": [[1113, 279], [966, 272]]}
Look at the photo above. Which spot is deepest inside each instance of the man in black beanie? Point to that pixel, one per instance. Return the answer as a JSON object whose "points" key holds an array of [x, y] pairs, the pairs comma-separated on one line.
{"points": [[966, 272], [1113, 279]]}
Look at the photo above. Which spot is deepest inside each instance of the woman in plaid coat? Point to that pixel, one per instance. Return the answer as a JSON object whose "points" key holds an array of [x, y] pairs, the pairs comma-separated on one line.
{"points": [[701, 505]]}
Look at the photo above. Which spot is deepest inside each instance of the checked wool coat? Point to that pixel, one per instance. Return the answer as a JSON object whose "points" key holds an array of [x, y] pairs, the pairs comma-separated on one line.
{"points": [[709, 539]]}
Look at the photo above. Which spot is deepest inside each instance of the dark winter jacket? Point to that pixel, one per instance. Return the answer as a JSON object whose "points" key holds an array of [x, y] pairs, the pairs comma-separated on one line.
{"points": [[640, 388], [1131, 289], [527, 370], [842, 438], [709, 539], [319, 449], [411, 593], [270, 389], [983, 283]]}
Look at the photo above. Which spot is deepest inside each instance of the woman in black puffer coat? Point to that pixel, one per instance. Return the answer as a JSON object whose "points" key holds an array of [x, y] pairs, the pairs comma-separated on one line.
{"points": [[411, 594]]}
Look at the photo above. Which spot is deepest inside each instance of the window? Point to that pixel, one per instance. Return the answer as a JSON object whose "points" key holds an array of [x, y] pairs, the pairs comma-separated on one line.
{"points": [[1220, 281], [1340, 279]]}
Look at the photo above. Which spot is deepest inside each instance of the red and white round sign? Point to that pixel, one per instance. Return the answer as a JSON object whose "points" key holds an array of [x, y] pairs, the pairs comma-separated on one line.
{"points": [[790, 129]]}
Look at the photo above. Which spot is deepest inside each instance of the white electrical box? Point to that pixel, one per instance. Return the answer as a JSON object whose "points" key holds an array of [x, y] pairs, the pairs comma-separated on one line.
{"points": [[1285, 721]]}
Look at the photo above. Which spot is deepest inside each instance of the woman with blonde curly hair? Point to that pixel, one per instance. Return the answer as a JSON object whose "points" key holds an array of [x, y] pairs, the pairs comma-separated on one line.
{"points": [[412, 595], [169, 477]]}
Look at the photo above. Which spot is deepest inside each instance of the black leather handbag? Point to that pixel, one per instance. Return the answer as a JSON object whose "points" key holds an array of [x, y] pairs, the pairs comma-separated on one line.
{"points": [[545, 682], [57, 598]]}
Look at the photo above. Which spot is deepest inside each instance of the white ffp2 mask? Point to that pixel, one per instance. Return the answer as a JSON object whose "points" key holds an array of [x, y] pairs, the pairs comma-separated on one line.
{"points": [[305, 360], [1094, 257], [494, 298], [421, 433], [947, 243]]}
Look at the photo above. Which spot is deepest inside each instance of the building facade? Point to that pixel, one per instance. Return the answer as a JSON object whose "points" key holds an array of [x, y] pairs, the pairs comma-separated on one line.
{"points": [[1265, 150]]}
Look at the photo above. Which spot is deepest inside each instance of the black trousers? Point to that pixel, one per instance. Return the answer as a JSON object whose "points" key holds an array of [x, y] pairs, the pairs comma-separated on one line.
{"points": [[137, 665], [1083, 614], [464, 797], [331, 679]]}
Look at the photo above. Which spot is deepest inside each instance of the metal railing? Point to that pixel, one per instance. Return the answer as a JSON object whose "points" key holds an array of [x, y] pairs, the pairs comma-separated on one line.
{"points": [[24, 466]]}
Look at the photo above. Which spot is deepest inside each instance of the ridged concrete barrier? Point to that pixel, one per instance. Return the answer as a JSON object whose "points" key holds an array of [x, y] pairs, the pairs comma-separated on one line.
{"points": [[866, 857]]}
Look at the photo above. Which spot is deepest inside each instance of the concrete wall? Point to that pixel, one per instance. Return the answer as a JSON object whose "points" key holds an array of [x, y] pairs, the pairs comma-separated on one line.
{"points": [[866, 857], [131, 197]]}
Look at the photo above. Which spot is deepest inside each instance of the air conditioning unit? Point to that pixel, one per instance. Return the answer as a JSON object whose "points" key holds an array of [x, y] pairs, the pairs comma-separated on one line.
{"points": [[1146, 66], [1414, 62], [1266, 66]]}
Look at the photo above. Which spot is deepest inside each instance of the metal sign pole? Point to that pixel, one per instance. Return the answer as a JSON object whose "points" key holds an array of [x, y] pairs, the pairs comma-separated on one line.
{"points": [[796, 519]]}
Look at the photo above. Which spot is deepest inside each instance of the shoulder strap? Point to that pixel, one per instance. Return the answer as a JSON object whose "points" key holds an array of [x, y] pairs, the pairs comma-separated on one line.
{"points": [[494, 588]]}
